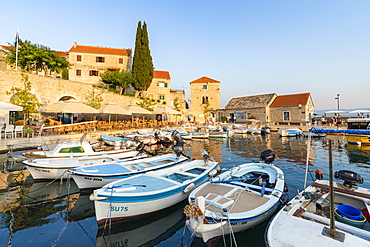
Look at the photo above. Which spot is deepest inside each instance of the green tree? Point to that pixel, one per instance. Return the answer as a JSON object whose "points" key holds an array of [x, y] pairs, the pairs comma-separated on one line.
{"points": [[94, 99], [176, 105], [24, 98], [206, 110], [142, 67], [36, 57], [117, 78], [146, 103]]}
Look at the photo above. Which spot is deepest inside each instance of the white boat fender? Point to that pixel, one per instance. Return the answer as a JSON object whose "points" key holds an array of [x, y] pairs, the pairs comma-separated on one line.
{"points": [[212, 173], [96, 198], [189, 188]]}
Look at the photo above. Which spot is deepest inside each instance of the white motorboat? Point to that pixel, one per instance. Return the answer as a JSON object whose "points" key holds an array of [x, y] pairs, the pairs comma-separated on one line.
{"points": [[290, 132]]}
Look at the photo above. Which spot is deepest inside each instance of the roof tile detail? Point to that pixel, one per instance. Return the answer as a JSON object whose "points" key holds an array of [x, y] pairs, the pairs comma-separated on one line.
{"points": [[246, 102], [161, 74], [100, 50], [291, 100], [204, 79]]}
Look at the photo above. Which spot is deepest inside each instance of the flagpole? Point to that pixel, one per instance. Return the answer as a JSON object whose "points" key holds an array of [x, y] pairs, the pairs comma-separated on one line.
{"points": [[16, 51]]}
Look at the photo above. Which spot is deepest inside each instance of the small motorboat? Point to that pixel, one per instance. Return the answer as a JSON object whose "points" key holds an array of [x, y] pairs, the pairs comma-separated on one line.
{"points": [[150, 192], [239, 129], [96, 176], [121, 141], [48, 169], [236, 200], [81, 148], [290, 132]]}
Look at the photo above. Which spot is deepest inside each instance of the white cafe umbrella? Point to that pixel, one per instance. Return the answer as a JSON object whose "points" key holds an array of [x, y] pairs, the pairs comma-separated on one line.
{"points": [[360, 111], [164, 109], [69, 106], [113, 108], [9, 107], [137, 109], [336, 112]]}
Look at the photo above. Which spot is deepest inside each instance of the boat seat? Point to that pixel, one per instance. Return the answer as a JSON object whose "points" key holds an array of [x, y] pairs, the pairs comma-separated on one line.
{"points": [[139, 167], [218, 201], [252, 186]]}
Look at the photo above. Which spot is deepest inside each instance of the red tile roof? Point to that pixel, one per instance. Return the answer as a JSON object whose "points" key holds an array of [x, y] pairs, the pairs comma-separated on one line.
{"points": [[62, 53], [100, 50], [7, 47], [204, 80], [291, 100], [161, 74]]}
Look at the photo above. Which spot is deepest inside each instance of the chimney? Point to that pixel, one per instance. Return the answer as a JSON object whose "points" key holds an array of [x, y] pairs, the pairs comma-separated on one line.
{"points": [[74, 44]]}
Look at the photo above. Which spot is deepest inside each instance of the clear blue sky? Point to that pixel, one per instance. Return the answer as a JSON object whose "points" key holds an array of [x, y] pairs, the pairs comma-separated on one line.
{"points": [[252, 47]]}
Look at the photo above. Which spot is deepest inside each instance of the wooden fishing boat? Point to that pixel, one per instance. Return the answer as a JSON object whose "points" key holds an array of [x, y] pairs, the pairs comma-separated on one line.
{"points": [[81, 148], [236, 200], [150, 192], [96, 176], [113, 140], [48, 169]]}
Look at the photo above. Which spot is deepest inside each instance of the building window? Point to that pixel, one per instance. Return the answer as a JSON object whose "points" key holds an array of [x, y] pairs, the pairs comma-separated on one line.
{"points": [[94, 73], [286, 116], [162, 84], [79, 58], [100, 59], [120, 60], [205, 86], [204, 99], [161, 97], [78, 72]]}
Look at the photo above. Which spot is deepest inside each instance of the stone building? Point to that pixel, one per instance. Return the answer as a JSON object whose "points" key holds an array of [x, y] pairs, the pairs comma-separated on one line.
{"points": [[204, 98], [292, 109], [89, 61], [4, 49], [242, 108], [270, 108], [160, 93]]}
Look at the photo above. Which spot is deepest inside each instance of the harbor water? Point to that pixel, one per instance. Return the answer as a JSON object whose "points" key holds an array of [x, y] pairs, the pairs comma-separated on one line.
{"points": [[55, 213]]}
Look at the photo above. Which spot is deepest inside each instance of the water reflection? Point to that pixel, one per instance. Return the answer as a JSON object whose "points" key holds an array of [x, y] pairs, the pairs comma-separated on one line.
{"points": [[154, 230], [47, 213]]}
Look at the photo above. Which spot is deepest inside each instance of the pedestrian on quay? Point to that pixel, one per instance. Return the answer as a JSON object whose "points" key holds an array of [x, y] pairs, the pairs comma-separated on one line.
{"points": [[323, 121]]}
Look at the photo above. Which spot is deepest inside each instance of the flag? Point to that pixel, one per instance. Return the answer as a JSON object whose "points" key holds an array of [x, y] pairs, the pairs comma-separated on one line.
{"points": [[16, 50], [16, 39]]}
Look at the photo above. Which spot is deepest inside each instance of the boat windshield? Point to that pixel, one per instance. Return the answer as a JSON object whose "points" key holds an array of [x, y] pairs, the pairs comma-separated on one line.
{"points": [[78, 149]]}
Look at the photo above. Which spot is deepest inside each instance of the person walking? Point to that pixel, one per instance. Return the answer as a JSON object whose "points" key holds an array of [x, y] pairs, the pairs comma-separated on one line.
{"points": [[323, 121]]}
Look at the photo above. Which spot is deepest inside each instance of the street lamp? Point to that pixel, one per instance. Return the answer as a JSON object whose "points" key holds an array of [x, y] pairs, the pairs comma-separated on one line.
{"points": [[337, 98]]}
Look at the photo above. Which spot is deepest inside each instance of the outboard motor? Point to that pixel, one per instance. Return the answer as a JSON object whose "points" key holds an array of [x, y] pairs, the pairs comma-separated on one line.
{"points": [[350, 178], [268, 156], [176, 137], [178, 149], [141, 149]]}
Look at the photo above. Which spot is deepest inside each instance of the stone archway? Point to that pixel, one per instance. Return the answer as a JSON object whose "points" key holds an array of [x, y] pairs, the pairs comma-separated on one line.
{"points": [[65, 98]]}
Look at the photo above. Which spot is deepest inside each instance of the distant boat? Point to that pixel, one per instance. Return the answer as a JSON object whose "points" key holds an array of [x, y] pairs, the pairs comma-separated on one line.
{"points": [[112, 140], [290, 132]]}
